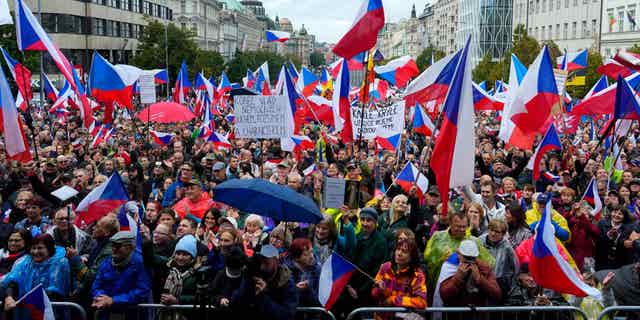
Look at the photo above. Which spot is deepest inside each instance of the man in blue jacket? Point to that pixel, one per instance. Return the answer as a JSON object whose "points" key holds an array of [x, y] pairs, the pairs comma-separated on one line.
{"points": [[122, 280]]}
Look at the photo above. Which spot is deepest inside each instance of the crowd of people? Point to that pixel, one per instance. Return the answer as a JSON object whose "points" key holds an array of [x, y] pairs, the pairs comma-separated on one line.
{"points": [[195, 250]]}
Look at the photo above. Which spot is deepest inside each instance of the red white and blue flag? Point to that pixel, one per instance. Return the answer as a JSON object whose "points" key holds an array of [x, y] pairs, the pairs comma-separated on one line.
{"points": [[433, 83], [551, 177], [277, 36], [63, 95], [422, 123], [627, 105], [37, 303], [160, 76], [602, 84], [262, 80], [532, 102], [15, 141], [334, 275], [509, 133], [50, 91], [249, 81], [224, 86], [31, 36], [102, 134], [550, 142], [482, 101], [341, 105], [100, 201], [108, 84], [20, 73], [219, 141], [455, 143], [307, 82], [398, 72], [390, 143], [603, 102], [182, 85], [592, 197], [547, 266], [409, 176], [613, 69], [573, 61], [363, 34], [161, 138]]}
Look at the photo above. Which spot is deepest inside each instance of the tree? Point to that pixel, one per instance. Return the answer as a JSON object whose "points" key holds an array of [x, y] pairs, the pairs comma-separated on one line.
{"points": [[316, 59], [209, 62], [237, 68], [488, 70], [634, 49], [31, 59], [181, 44], [525, 47], [424, 58], [554, 50]]}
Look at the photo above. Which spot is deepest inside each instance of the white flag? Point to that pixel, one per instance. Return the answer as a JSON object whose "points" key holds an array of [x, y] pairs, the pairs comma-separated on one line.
{"points": [[5, 15]]}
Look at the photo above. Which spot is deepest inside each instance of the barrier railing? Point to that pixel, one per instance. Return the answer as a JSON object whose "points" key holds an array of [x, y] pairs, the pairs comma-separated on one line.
{"points": [[473, 312], [316, 310], [77, 312], [607, 313]]}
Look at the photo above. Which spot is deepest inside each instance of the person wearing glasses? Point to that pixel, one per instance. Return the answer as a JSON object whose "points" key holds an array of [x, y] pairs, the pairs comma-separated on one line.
{"points": [[185, 175], [68, 236]]}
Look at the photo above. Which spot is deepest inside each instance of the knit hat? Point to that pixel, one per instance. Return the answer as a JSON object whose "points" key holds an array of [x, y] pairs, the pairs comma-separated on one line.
{"points": [[187, 244], [369, 212]]}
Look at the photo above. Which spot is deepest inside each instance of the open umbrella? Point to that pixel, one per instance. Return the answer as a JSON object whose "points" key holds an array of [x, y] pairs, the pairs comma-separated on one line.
{"points": [[267, 199], [165, 112]]}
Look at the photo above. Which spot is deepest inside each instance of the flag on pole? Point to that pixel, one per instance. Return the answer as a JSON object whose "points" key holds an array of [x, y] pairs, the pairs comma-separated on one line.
{"points": [[15, 141], [455, 144], [547, 266], [550, 141], [363, 34], [592, 197], [37, 303], [21, 75], [100, 201], [334, 275]]}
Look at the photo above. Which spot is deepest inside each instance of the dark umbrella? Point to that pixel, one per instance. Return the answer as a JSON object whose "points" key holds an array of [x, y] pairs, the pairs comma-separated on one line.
{"points": [[242, 92], [267, 199]]}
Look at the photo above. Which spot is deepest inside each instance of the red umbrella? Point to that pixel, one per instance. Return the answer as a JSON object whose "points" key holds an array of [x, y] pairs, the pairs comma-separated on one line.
{"points": [[165, 112]]}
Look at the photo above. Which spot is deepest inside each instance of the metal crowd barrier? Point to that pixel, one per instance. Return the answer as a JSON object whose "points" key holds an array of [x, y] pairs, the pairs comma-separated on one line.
{"points": [[77, 312], [610, 312], [475, 312]]}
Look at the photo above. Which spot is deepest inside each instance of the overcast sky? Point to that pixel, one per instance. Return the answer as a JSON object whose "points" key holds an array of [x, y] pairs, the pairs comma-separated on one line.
{"points": [[329, 19]]}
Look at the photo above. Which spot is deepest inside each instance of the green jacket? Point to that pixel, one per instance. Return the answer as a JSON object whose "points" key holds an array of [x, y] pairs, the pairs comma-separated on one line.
{"points": [[369, 255]]}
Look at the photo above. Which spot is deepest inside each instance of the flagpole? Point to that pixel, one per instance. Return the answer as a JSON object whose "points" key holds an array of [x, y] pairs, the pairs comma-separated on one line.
{"points": [[26, 100], [354, 266], [364, 95]]}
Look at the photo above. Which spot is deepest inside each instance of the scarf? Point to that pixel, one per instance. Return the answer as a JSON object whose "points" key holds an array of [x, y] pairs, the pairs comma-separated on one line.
{"points": [[173, 284], [322, 248]]}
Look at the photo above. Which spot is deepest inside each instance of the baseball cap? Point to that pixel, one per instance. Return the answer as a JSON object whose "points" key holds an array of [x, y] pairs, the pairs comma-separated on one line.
{"points": [[218, 166], [469, 248], [269, 251], [123, 237]]}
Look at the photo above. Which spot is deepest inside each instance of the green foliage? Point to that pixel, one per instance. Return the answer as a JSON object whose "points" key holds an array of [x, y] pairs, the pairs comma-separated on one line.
{"points": [[525, 47], [594, 60], [31, 59], [487, 70], [237, 68], [634, 49], [209, 62], [554, 50], [182, 46], [317, 59], [424, 59]]}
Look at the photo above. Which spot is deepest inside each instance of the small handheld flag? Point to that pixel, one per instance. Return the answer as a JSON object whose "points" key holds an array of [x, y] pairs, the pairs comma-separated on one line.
{"points": [[37, 303], [334, 275]]}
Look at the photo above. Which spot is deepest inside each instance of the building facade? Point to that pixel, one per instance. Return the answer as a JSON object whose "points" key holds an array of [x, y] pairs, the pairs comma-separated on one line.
{"points": [[112, 27], [402, 38], [488, 22], [445, 25], [426, 25], [241, 30], [301, 43], [619, 27], [201, 16], [571, 24]]}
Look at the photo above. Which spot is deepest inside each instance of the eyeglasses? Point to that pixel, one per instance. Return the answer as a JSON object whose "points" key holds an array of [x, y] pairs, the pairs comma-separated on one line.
{"points": [[62, 219], [160, 233]]}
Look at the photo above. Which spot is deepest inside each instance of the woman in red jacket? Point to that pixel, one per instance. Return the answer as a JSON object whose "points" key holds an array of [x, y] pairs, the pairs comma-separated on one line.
{"points": [[584, 233]]}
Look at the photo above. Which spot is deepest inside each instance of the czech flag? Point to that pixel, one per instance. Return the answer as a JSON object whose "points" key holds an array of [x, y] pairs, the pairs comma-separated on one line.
{"points": [[433, 83], [82, 101], [482, 101], [411, 175], [602, 84], [160, 76], [612, 69], [628, 59], [277, 36], [224, 86], [550, 141], [108, 84], [334, 276], [551, 177], [63, 95], [363, 34], [341, 105], [262, 82], [15, 141], [293, 72], [100, 201], [219, 141], [592, 196], [547, 266], [532, 102], [627, 106], [398, 72], [20, 74], [455, 144], [182, 85], [31, 36], [161, 138], [319, 109], [573, 61], [50, 90], [307, 82], [422, 123], [250, 80], [37, 303], [390, 143], [378, 89], [103, 134], [603, 102]]}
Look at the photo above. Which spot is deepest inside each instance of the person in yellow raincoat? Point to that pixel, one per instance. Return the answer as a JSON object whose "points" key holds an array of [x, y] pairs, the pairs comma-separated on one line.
{"points": [[443, 243], [559, 223]]}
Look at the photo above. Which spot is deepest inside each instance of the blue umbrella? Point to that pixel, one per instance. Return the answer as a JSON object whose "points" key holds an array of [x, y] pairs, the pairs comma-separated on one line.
{"points": [[267, 199]]}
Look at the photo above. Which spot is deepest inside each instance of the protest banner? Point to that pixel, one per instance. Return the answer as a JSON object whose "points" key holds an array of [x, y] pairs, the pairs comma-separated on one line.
{"points": [[261, 117], [147, 85], [380, 121], [334, 192]]}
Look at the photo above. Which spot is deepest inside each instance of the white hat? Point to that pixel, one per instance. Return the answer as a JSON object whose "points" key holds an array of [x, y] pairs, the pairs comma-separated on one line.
{"points": [[469, 248]]}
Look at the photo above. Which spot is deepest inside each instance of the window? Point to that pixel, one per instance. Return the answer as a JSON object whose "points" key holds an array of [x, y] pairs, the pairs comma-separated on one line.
{"points": [[566, 3], [116, 29], [594, 26], [537, 6], [135, 5], [550, 37], [620, 21], [145, 8], [565, 31], [585, 31], [632, 17], [575, 3], [126, 30], [544, 6], [558, 4], [98, 26], [610, 19], [535, 34], [531, 7], [543, 33], [108, 30], [574, 27], [126, 5], [558, 31]]}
